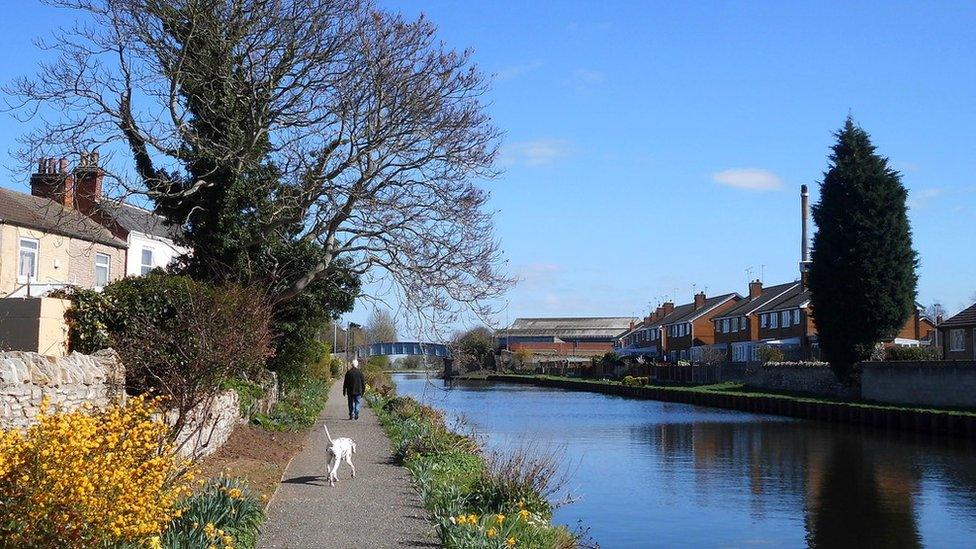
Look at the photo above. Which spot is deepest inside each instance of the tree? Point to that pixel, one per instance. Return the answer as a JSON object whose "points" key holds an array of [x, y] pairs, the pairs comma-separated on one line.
{"points": [[473, 348], [290, 140], [862, 280], [381, 327]]}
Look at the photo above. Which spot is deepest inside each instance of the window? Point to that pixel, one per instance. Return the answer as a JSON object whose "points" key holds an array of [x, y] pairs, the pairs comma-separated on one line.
{"points": [[27, 268], [786, 319], [957, 340], [725, 325], [762, 321], [773, 320], [743, 323], [796, 317], [147, 261], [101, 270]]}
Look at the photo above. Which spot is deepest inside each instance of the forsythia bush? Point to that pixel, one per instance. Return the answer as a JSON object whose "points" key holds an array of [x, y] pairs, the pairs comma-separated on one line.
{"points": [[89, 477]]}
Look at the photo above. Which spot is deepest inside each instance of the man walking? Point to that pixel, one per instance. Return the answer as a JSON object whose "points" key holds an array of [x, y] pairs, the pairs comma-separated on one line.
{"points": [[353, 387]]}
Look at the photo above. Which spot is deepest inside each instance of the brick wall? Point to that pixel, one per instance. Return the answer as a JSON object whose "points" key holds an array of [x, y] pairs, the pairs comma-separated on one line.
{"points": [[818, 380]]}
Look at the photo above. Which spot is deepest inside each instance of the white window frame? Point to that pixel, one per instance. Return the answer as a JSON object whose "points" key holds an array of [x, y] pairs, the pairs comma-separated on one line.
{"points": [[762, 320], [725, 325], [957, 343], [143, 267], [744, 323], [796, 317], [107, 265], [35, 251], [774, 320], [785, 318]]}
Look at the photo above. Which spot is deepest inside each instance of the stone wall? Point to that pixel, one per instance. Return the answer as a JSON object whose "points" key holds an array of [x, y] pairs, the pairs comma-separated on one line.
{"points": [[209, 425], [810, 378], [70, 382], [950, 383]]}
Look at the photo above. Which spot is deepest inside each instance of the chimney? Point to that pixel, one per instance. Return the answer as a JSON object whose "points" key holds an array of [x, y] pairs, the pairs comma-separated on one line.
{"points": [[667, 307], [659, 312], [755, 288], [88, 184], [699, 300], [632, 324], [804, 239], [52, 181]]}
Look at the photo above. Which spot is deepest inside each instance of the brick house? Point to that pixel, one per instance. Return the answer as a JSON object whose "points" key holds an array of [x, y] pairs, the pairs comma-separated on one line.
{"points": [[46, 243], [958, 335], [689, 330], [645, 339], [738, 327]]}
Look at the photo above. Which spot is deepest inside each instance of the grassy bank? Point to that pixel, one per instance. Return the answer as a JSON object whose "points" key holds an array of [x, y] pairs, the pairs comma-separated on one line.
{"points": [[477, 500]]}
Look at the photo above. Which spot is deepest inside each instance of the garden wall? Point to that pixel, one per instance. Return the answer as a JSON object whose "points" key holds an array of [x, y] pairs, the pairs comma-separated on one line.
{"points": [[70, 381], [810, 378], [209, 425], [950, 383]]}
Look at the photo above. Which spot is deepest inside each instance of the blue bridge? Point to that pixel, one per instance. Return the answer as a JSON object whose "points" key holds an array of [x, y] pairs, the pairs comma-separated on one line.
{"points": [[404, 348]]}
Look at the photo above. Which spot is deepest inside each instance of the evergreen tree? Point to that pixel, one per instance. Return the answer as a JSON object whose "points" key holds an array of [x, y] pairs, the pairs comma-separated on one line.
{"points": [[862, 280]]}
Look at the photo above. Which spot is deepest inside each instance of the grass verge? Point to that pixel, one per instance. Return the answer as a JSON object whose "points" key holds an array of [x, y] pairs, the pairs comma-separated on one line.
{"points": [[477, 501]]}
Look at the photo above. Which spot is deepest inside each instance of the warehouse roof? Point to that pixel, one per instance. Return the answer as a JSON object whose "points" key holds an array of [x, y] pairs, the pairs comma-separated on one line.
{"points": [[597, 327]]}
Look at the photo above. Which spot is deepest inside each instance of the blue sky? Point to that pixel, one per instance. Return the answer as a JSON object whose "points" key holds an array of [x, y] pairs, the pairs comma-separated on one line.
{"points": [[656, 148]]}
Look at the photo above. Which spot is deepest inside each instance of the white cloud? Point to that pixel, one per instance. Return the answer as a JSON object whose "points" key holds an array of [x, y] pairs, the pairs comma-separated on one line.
{"points": [[539, 152], [512, 71], [921, 198], [750, 179], [587, 76]]}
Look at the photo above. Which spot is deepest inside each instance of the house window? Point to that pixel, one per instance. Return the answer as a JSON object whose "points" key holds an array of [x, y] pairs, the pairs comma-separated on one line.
{"points": [[725, 325], [742, 323], [735, 324], [762, 321], [147, 261], [796, 317], [27, 268], [957, 340], [101, 270], [786, 318], [774, 320]]}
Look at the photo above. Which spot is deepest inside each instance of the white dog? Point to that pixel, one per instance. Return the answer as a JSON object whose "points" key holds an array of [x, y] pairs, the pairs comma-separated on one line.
{"points": [[340, 449]]}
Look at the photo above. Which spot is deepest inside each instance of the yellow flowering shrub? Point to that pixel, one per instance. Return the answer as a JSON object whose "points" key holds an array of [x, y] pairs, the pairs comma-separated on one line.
{"points": [[89, 477]]}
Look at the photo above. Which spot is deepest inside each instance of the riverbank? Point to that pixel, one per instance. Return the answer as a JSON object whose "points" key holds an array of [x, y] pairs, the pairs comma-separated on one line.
{"points": [[477, 501], [957, 423]]}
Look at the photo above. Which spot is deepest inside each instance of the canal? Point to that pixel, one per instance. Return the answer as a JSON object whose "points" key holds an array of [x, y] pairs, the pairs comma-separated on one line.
{"points": [[656, 474]]}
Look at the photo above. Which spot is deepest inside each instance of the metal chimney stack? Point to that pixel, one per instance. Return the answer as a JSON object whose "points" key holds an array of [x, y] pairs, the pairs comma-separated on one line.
{"points": [[804, 239]]}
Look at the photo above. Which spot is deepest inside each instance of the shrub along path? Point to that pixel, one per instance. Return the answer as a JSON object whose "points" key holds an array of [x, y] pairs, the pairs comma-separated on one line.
{"points": [[379, 508]]}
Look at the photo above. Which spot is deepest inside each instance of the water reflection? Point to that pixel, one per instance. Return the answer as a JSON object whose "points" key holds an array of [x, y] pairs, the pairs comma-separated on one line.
{"points": [[675, 475]]}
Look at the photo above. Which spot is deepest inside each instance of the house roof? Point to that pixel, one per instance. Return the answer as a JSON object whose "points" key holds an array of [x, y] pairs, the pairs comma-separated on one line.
{"points": [[46, 215], [135, 219], [687, 312], [603, 327], [792, 299], [749, 306], [967, 317]]}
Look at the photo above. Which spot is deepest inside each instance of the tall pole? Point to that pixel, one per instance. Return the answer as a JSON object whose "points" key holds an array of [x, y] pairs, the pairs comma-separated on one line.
{"points": [[335, 337]]}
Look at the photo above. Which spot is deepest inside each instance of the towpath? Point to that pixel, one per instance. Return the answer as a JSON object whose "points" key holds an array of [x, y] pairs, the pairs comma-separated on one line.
{"points": [[378, 508]]}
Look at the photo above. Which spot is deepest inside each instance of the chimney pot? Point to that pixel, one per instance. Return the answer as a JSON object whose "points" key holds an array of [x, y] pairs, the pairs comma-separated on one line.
{"points": [[699, 300], [94, 159], [50, 165], [755, 288], [41, 164], [63, 165]]}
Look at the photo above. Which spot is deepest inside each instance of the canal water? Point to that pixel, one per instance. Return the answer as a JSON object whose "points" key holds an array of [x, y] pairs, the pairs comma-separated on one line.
{"points": [[656, 474]]}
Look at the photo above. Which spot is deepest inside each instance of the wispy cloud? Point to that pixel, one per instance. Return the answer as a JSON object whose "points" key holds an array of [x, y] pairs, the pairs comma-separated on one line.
{"points": [[750, 179], [921, 198], [587, 77], [537, 275], [538, 152], [511, 71]]}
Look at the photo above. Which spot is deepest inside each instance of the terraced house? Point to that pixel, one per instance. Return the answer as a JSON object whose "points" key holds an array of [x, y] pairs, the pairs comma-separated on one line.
{"points": [[689, 329], [738, 327], [959, 335]]}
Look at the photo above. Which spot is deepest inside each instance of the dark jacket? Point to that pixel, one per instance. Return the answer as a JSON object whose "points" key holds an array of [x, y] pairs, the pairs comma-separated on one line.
{"points": [[353, 384]]}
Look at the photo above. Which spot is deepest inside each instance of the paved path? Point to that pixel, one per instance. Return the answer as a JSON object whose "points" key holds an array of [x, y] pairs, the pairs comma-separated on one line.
{"points": [[378, 508]]}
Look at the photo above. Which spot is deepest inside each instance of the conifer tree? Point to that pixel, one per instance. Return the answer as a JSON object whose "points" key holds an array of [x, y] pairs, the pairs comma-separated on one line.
{"points": [[862, 277]]}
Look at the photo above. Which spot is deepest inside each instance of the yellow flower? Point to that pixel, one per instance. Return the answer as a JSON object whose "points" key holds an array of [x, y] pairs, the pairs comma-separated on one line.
{"points": [[499, 519], [154, 543], [491, 532], [510, 542], [524, 514], [521, 504]]}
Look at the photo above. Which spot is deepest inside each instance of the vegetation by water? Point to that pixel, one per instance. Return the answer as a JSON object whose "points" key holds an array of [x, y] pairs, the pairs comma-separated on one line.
{"points": [[478, 500]]}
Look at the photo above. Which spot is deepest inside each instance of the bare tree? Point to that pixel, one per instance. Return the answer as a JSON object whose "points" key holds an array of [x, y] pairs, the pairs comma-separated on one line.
{"points": [[381, 327], [373, 131]]}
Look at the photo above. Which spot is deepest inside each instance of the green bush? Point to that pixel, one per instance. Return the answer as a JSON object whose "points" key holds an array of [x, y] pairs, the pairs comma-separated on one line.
{"points": [[632, 381], [770, 354], [913, 353], [225, 503], [300, 404]]}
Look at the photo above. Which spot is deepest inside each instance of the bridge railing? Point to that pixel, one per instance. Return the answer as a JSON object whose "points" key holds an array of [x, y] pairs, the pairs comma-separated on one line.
{"points": [[404, 348]]}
